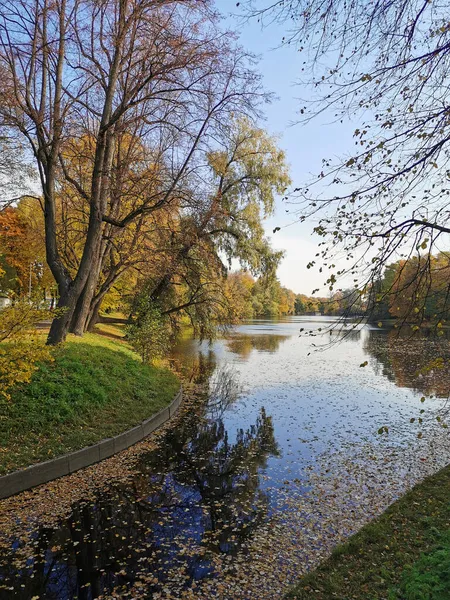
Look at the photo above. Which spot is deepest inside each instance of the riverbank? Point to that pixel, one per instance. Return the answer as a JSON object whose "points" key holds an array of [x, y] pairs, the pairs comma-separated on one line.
{"points": [[403, 554], [94, 389]]}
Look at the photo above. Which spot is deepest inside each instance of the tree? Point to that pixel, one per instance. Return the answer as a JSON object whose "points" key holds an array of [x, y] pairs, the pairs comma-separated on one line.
{"points": [[287, 301], [14, 250], [389, 200], [309, 304], [150, 334], [239, 286], [420, 294], [334, 304], [218, 222], [266, 297], [161, 71], [380, 294], [22, 249], [299, 306], [134, 175], [30, 210]]}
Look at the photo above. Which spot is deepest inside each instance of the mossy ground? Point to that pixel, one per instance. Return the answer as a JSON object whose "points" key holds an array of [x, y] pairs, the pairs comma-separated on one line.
{"points": [[95, 388], [404, 554]]}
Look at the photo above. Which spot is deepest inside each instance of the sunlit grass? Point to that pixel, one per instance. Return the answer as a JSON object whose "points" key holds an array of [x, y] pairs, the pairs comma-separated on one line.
{"points": [[112, 329], [95, 388]]}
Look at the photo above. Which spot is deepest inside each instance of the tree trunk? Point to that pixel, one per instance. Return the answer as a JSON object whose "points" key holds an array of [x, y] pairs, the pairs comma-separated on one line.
{"points": [[82, 310], [71, 293], [97, 299], [60, 325], [166, 280], [93, 317], [79, 314]]}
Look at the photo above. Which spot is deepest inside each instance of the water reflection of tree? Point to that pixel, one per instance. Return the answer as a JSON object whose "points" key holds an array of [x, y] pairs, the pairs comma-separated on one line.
{"points": [[195, 364], [224, 390], [244, 344], [199, 490], [226, 475], [420, 363], [344, 332]]}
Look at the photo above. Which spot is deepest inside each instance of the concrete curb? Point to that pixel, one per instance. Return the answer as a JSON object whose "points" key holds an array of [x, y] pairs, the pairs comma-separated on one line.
{"points": [[19, 481]]}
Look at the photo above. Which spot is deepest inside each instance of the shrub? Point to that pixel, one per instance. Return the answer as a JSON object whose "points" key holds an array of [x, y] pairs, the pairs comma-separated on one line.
{"points": [[150, 334], [20, 350]]}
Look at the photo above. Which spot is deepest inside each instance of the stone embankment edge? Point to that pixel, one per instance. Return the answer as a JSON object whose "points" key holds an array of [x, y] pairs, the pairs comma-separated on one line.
{"points": [[19, 481]]}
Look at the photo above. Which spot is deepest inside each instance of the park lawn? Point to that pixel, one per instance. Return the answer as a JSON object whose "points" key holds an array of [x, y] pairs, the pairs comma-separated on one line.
{"points": [[114, 330], [95, 388], [403, 554]]}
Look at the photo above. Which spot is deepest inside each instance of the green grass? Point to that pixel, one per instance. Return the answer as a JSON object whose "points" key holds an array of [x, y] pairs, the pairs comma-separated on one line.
{"points": [[402, 555], [95, 388], [115, 330], [429, 577]]}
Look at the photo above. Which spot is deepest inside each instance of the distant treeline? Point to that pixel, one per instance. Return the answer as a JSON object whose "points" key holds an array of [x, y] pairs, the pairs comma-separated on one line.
{"points": [[414, 290], [267, 297]]}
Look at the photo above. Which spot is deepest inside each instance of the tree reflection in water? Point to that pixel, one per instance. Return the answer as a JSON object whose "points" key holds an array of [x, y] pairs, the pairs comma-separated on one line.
{"points": [[412, 360], [243, 344], [223, 392], [196, 497]]}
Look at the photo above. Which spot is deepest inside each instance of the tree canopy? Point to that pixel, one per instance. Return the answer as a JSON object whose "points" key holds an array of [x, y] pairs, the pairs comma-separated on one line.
{"points": [[141, 121], [120, 104]]}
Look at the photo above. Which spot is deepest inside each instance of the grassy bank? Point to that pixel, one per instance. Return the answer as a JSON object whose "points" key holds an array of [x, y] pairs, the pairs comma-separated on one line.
{"points": [[404, 554], [95, 388]]}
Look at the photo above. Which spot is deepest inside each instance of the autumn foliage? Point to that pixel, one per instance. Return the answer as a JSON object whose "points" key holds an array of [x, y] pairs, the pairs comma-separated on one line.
{"points": [[14, 244], [420, 291], [20, 348]]}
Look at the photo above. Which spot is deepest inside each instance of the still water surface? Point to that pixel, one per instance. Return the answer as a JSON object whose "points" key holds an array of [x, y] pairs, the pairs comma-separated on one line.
{"points": [[283, 462]]}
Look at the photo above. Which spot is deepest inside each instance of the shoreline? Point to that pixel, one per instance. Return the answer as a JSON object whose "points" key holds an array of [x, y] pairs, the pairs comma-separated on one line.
{"points": [[44, 472], [389, 554]]}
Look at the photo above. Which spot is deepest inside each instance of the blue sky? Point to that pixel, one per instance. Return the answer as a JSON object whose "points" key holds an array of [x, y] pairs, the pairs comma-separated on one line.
{"points": [[305, 145]]}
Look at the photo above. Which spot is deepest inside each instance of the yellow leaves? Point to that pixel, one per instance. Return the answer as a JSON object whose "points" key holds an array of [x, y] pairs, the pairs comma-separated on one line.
{"points": [[20, 351], [423, 245], [419, 288], [219, 162], [18, 362]]}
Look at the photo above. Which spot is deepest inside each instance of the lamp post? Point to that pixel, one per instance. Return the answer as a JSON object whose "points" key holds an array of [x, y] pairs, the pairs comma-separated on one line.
{"points": [[38, 268]]}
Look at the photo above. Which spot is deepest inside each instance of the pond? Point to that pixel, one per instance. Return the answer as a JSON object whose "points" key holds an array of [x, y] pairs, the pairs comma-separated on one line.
{"points": [[284, 460]]}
